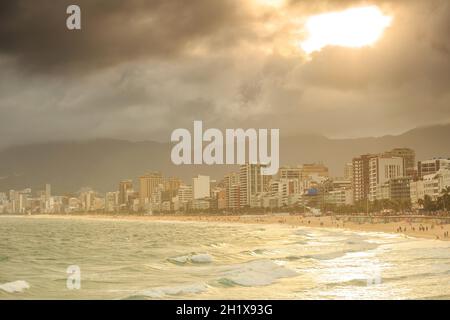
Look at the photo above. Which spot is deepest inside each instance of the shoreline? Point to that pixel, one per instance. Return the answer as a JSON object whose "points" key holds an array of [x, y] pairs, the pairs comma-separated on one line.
{"points": [[425, 227]]}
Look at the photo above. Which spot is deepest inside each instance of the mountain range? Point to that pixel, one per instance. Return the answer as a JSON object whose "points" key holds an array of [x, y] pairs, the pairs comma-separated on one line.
{"points": [[102, 163]]}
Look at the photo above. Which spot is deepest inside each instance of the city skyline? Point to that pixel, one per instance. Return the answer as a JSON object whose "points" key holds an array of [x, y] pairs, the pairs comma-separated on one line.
{"points": [[250, 152], [392, 175]]}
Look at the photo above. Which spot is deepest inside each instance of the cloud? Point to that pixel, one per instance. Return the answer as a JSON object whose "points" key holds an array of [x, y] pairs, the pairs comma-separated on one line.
{"points": [[139, 69], [113, 31]]}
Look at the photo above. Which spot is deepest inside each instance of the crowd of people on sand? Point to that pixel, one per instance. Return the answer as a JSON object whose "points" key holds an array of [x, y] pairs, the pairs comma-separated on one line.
{"points": [[422, 228]]}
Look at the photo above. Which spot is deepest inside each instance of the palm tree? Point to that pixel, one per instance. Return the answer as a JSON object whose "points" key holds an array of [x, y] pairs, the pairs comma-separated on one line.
{"points": [[445, 196]]}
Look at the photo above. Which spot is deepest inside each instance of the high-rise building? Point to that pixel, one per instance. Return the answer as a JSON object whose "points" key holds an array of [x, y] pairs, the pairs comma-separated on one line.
{"points": [[185, 194], [234, 196], [290, 173], [381, 170], [432, 166], [434, 183], [219, 197], [87, 199], [48, 191], [201, 187], [360, 177], [251, 182], [348, 171], [147, 185], [409, 159], [315, 169], [111, 201], [417, 193], [400, 189], [231, 183], [125, 186], [172, 183], [283, 189]]}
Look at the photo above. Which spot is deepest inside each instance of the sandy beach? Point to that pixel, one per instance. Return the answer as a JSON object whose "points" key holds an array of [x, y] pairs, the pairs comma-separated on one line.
{"points": [[412, 226]]}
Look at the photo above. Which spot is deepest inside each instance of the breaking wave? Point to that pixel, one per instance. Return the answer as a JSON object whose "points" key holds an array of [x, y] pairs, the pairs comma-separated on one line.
{"points": [[193, 258], [163, 292], [255, 273], [15, 286]]}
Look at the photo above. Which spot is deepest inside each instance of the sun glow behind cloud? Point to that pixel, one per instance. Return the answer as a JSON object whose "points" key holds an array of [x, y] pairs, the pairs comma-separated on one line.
{"points": [[354, 28], [271, 3]]}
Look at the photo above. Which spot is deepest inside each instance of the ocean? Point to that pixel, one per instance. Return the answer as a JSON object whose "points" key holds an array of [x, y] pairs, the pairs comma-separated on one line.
{"points": [[123, 259]]}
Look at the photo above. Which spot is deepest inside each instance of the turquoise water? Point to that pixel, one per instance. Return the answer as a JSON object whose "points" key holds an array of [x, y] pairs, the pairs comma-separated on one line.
{"points": [[172, 260]]}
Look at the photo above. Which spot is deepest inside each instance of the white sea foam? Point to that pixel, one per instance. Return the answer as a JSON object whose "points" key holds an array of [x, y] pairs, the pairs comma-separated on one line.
{"points": [[256, 273], [194, 258], [180, 259], [161, 292], [15, 286], [201, 258]]}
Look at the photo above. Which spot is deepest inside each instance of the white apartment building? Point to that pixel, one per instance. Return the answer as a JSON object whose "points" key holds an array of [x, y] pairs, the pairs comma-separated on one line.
{"points": [[251, 182], [340, 197], [283, 189], [201, 187], [417, 193], [433, 184], [201, 204], [381, 170], [432, 166]]}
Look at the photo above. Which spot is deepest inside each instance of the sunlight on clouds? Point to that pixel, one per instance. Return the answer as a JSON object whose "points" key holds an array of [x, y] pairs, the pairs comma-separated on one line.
{"points": [[353, 28], [271, 3]]}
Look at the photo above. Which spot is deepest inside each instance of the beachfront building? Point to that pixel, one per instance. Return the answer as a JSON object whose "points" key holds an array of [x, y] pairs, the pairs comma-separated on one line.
{"points": [[360, 182], [201, 185], [434, 184], [400, 189], [218, 200], [409, 160], [381, 170], [147, 185], [339, 197], [125, 187], [287, 172], [282, 189], [251, 181], [417, 193], [172, 184], [292, 173], [432, 166], [185, 195], [201, 204], [348, 171], [232, 187], [311, 169], [396, 189], [112, 201]]}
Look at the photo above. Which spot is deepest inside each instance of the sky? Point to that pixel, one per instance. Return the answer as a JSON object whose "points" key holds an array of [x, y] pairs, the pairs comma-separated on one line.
{"points": [[140, 69]]}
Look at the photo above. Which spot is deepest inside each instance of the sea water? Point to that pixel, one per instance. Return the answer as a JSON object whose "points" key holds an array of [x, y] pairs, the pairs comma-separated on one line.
{"points": [[122, 259]]}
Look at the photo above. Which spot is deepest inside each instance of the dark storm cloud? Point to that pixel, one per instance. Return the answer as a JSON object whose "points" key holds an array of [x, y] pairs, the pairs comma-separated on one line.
{"points": [[139, 69], [113, 31]]}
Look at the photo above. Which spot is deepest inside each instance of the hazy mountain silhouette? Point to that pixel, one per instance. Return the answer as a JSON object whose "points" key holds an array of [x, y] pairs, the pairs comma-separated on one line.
{"points": [[102, 163]]}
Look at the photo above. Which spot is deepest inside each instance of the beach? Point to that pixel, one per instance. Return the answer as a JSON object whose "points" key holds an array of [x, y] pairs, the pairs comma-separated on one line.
{"points": [[410, 226], [224, 257], [221, 257]]}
